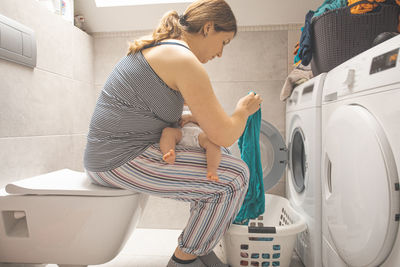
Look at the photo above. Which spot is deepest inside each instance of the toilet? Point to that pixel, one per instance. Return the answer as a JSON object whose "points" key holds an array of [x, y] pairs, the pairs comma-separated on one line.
{"points": [[62, 218]]}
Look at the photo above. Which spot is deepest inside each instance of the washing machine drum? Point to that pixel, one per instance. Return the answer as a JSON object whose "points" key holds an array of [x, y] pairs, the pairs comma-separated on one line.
{"points": [[297, 160], [273, 154]]}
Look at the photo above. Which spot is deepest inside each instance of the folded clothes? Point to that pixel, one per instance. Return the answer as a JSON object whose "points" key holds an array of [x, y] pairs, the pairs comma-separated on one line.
{"points": [[302, 80], [296, 77]]}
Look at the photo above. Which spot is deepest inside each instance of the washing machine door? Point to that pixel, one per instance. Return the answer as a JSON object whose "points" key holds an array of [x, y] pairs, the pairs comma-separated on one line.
{"points": [[274, 154], [297, 159], [359, 179]]}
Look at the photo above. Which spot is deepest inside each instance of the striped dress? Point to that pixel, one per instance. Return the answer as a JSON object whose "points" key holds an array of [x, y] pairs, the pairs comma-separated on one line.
{"points": [[123, 151]]}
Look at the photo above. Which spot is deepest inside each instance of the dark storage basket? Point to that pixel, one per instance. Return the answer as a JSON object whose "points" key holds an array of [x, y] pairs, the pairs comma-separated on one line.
{"points": [[339, 35]]}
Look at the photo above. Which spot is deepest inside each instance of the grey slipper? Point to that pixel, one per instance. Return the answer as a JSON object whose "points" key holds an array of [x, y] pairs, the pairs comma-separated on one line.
{"points": [[211, 260], [196, 263]]}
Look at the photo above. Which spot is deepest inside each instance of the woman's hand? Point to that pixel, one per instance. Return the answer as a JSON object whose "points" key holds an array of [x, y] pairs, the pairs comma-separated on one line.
{"points": [[249, 104]]}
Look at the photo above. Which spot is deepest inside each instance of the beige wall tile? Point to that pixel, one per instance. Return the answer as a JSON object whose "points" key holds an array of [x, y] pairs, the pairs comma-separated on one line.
{"points": [[76, 152], [84, 96], [34, 102], [43, 103], [83, 58], [54, 45], [252, 56], [97, 92], [23, 157], [107, 53], [273, 110]]}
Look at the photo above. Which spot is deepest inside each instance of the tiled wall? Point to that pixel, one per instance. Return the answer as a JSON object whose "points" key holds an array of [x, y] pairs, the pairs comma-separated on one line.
{"points": [[45, 111], [258, 59]]}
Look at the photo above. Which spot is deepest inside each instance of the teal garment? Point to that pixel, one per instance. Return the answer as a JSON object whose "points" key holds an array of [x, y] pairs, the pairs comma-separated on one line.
{"points": [[330, 5], [249, 146]]}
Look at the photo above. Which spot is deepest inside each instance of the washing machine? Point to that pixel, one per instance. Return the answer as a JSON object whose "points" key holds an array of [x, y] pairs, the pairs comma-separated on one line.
{"points": [[361, 160], [303, 182]]}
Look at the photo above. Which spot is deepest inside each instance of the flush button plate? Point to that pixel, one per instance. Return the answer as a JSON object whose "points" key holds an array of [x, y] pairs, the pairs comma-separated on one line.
{"points": [[17, 42], [11, 39]]}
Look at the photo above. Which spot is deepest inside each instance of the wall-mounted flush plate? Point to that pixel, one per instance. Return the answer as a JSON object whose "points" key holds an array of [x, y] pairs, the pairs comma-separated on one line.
{"points": [[17, 42]]}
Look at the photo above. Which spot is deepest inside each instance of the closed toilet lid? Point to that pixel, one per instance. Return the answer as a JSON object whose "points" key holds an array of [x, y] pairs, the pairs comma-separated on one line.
{"points": [[62, 182]]}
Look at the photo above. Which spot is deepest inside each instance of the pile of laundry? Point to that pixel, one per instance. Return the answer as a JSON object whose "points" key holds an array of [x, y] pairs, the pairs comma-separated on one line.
{"points": [[303, 49]]}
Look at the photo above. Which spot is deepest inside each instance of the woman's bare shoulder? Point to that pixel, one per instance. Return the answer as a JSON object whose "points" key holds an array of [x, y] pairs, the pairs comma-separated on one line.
{"points": [[172, 62]]}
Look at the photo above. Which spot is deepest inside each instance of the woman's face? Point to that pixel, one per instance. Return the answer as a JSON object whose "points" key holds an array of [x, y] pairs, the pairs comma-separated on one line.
{"points": [[212, 44]]}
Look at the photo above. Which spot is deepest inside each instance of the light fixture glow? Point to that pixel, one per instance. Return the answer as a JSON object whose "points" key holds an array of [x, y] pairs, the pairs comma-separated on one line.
{"points": [[113, 3]]}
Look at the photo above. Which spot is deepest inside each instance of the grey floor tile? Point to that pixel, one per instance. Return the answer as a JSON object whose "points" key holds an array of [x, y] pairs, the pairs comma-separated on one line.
{"points": [[147, 248]]}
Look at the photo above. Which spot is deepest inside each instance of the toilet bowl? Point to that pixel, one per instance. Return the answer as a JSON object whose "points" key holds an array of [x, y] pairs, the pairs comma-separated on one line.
{"points": [[62, 218]]}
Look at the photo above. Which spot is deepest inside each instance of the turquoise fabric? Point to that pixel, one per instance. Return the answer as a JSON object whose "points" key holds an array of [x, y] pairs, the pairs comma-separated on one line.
{"points": [[329, 5], [249, 146]]}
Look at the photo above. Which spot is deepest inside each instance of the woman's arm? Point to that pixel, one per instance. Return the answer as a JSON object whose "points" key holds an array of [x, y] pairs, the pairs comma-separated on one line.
{"points": [[181, 70], [194, 84]]}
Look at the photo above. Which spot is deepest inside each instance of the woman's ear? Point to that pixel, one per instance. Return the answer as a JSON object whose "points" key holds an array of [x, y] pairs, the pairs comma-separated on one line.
{"points": [[208, 26]]}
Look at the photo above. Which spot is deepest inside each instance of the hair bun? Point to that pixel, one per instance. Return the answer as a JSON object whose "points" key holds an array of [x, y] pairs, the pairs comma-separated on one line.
{"points": [[182, 20]]}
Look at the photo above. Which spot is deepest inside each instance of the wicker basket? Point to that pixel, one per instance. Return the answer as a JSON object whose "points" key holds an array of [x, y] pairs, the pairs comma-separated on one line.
{"points": [[339, 35]]}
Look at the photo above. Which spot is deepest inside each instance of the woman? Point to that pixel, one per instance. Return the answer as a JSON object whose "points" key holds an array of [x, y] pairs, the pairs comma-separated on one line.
{"points": [[145, 94]]}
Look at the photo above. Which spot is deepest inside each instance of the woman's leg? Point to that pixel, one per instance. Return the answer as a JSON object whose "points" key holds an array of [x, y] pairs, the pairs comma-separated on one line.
{"points": [[214, 205]]}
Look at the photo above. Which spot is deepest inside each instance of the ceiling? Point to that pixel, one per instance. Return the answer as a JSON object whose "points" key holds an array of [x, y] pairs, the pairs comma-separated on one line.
{"points": [[145, 17]]}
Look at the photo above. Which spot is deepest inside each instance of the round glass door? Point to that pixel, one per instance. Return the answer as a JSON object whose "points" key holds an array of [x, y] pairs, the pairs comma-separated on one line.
{"points": [[298, 163]]}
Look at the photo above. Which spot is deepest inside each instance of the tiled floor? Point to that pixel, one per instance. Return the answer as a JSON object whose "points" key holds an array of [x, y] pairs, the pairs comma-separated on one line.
{"points": [[146, 248]]}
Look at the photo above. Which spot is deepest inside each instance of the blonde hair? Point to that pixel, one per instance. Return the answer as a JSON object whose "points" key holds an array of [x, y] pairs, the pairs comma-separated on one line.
{"points": [[192, 21]]}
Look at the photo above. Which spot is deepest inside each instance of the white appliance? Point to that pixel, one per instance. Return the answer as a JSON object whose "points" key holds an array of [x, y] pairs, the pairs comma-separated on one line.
{"points": [[361, 160], [303, 182]]}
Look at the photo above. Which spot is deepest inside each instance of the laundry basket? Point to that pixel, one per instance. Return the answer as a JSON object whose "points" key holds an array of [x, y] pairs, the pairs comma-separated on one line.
{"points": [[338, 35], [267, 240]]}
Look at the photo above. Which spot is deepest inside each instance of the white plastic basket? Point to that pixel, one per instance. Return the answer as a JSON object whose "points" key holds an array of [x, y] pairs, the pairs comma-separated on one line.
{"points": [[268, 240]]}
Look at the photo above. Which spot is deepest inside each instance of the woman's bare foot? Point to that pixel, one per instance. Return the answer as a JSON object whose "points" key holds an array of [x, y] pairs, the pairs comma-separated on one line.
{"points": [[212, 176], [169, 157]]}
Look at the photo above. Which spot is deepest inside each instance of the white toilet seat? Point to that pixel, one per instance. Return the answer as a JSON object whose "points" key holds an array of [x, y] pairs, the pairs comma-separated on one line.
{"points": [[62, 182]]}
